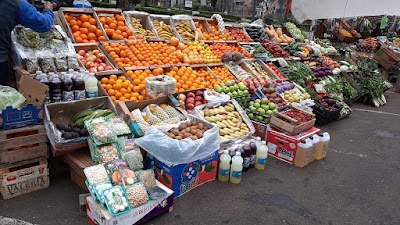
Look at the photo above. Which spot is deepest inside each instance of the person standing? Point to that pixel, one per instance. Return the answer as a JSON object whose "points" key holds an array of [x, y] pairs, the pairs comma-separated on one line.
{"points": [[13, 12]]}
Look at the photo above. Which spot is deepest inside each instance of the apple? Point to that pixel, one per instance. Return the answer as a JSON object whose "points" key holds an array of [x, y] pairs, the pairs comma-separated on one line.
{"points": [[270, 112], [82, 52], [204, 101], [198, 98], [93, 70], [100, 68], [181, 97], [260, 118], [199, 93], [89, 64], [264, 101], [96, 52], [98, 60], [190, 100], [182, 103], [271, 106], [251, 115], [190, 94], [265, 107], [101, 56], [261, 111], [252, 108], [226, 90], [257, 105], [189, 106], [197, 103], [108, 68], [96, 64], [218, 88], [90, 53]]}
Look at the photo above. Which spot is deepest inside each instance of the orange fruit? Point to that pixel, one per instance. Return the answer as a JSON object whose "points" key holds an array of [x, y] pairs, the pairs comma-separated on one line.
{"points": [[92, 21], [86, 25], [117, 86], [114, 77], [123, 91], [78, 40], [111, 92], [113, 98], [126, 84], [104, 80], [93, 28], [101, 38], [122, 98], [92, 36], [118, 95], [75, 28], [108, 87], [84, 18]]}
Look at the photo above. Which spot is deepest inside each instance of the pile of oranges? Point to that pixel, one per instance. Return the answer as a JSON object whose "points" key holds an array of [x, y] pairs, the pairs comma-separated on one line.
{"points": [[214, 35], [218, 49], [84, 28], [120, 89], [116, 28], [222, 73], [154, 53], [188, 78], [121, 54]]}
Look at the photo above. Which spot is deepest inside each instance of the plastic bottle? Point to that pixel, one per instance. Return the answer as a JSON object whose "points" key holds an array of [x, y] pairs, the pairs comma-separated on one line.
{"points": [[253, 149], [55, 90], [322, 148], [236, 169], [315, 143], [246, 157], [45, 81], [67, 89], [261, 156], [79, 88], [232, 152], [224, 166], [304, 148], [92, 91], [258, 142]]}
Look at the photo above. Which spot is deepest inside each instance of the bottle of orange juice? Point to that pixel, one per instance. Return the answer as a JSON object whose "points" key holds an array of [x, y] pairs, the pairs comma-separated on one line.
{"points": [[322, 146]]}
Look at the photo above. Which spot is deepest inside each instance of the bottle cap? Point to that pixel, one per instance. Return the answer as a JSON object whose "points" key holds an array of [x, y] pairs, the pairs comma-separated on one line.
{"points": [[258, 138], [238, 153], [264, 142], [226, 152]]}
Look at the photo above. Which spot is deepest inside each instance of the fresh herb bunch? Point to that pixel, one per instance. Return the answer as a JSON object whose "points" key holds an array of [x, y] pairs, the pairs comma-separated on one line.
{"points": [[300, 73]]}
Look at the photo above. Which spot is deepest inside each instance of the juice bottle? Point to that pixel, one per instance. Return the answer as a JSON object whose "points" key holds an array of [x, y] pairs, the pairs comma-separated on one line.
{"points": [[92, 91], [315, 142], [322, 146], [246, 157], [232, 152], [253, 149], [224, 166], [258, 142], [303, 148], [79, 88], [67, 89], [45, 81], [236, 169], [261, 156], [55, 89]]}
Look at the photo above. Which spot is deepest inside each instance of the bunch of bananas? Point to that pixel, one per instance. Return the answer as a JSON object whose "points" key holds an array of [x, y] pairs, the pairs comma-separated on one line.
{"points": [[185, 31], [89, 114], [228, 120], [164, 30], [138, 28]]}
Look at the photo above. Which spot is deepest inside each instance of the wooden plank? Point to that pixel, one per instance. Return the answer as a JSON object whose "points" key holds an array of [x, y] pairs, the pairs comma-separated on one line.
{"points": [[78, 179], [45, 185], [22, 165], [22, 141], [39, 128], [9, 157]]}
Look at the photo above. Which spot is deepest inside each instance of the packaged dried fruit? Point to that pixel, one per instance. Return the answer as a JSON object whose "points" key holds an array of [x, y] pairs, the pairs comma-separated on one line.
{"points": [[146, 177], [116, 165], [127, 145], [96, 174], [116, 201], [120, 127], [101, 131], [124, 177], [134, 159], [107, 153], [137, 194]]}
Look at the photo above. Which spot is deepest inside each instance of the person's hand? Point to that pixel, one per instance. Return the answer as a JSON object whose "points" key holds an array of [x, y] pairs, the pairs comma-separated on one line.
{"points": [[48, 5]]}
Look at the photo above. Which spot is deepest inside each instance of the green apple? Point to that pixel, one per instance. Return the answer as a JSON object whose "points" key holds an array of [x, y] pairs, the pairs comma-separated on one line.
{"points": [[250, 115], [218, 88], [240, 92], [251, 103], [275, 110], [234, 93], [257, 105], [257, 101], [269, 112], [230, 94], [271, 106], [252, 109], [266, 119], [261, 111], [242, 87], [265, 107], [260, 118], [245, 92], [264, 101], [248, 98], [226, 90], [232, 88]]}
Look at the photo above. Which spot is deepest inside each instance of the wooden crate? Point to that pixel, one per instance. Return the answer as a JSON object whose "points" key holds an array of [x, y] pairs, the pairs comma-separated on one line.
{"points": [[22, 144], [290, 125], [25, 178], [78, 161]]}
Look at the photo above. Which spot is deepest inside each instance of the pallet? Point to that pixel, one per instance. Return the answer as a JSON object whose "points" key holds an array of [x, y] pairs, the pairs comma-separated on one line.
{"points": [[24, 178], [77, 162], [21, 144]]}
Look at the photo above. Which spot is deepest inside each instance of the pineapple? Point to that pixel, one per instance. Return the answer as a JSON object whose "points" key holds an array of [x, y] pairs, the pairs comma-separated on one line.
{"points": [[158, 112], [171, 111]]}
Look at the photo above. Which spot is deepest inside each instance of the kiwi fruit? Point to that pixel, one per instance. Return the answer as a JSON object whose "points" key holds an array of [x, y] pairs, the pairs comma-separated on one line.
{"points": [[82, 132], [68, 135], [76, 130]]}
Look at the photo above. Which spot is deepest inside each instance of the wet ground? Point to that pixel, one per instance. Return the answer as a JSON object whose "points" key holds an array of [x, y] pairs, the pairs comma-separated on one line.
{"points": [[357, 183]]}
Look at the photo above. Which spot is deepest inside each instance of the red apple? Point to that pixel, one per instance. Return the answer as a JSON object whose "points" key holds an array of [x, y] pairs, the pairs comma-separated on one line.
{"points": [[198, 98], [93, 70], [100, 68], [89, 65], [96, 52], [204, 101], [197, 103], [181, 97], [108, 68], [199, 93], [82, 52], [98, 60], [189, 106], [103, 65], [101, 56], [190, 94], [190, 100], [96, 64]]}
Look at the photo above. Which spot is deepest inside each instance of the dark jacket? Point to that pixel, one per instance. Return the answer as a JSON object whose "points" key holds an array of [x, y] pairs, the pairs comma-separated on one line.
{"points": [[13, 12]]}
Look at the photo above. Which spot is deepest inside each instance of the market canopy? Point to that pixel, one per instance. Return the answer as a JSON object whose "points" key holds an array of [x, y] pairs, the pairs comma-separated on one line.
{"points": [[326, 9]]}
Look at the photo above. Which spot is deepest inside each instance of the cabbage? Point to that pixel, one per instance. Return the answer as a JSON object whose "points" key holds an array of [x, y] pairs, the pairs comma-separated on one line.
{"points": [[10, 97]]}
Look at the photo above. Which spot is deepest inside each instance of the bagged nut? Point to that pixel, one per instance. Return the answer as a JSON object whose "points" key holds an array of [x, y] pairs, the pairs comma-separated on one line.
{"points": [[127, 145], [134, 160], [116, 165], [137, 194], [96, 174], [107, 153], [146, 177], [120, 127]]}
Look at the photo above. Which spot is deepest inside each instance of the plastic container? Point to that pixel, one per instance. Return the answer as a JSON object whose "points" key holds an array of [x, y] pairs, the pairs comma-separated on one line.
{"points": [[236, 169], [315, 141], [322, 148], [253, 148], [98, 188], [67, 88], [116, 201], [261, 156], [224, 166], [79, 88], [304, 148], [246, 157], [55, 90], [92, 91]]}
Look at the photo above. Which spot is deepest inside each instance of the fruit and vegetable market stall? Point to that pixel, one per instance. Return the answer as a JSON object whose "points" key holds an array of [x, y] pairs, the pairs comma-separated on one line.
{"points": [[145, 108]]}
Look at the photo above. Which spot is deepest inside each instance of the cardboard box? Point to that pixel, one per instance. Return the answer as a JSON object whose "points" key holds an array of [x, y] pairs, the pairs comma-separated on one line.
{"points": [[62, 112], [283, 146], [261, 130], [98, 215], [24, 181], [31, 113], [178, 178]]}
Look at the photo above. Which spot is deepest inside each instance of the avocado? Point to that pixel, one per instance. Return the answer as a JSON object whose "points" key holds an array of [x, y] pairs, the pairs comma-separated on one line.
{"points": [[68, 128], [60, 126], [71, 125]]}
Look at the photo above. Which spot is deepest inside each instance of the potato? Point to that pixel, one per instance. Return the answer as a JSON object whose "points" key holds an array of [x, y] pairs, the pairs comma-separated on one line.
{"points": [[182, 127], [199, 134], [200, 126], [193, 131]]}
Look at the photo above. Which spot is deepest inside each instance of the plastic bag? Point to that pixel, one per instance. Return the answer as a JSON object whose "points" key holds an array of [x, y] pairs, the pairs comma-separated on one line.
{"points": [[96, 174], [119, 126], [134, 159], [137, 194], [124, 177], [159, 86], [73, 62], [184, 151], [116, 165], [156, 192], [147, 177], [107, 153], [127, 145], [47, 64], [10, 97], [31, 64], [116, 201], [137, 116], [101, 131], [156, 111], [214, 97], [61, 62]]}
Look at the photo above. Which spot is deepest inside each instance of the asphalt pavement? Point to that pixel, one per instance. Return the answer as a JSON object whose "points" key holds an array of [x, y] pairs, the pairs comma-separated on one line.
{"points": [[357, 183]]}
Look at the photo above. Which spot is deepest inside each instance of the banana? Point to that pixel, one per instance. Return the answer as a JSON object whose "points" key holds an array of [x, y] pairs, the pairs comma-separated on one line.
{"points": [[235, 120], [232, 124], [235, 129], [223, 132], [82, 114], [220, 125], [209, 119], [235, 135]]}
